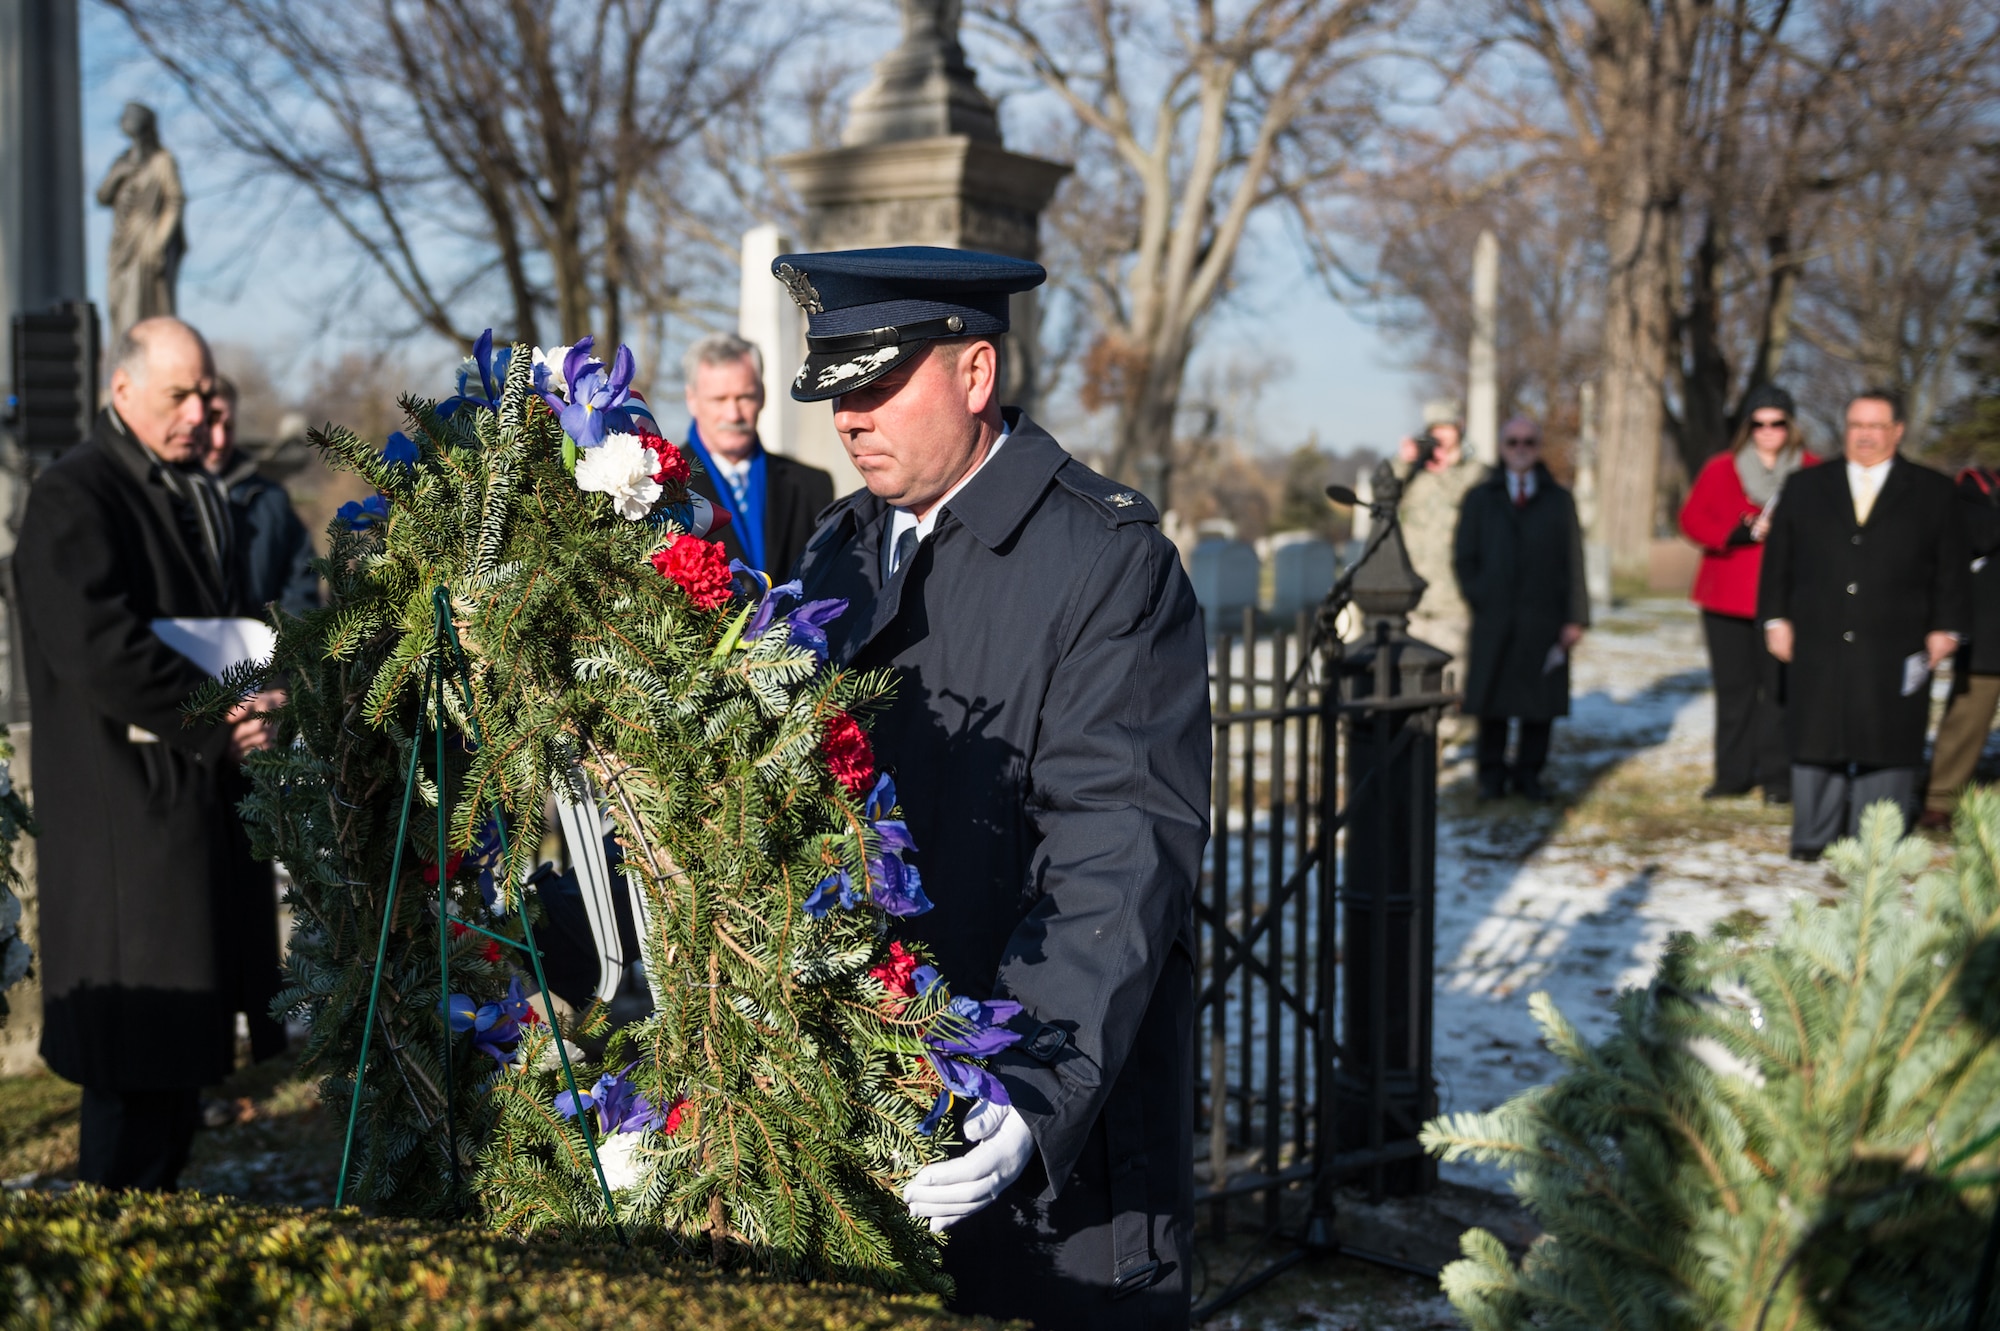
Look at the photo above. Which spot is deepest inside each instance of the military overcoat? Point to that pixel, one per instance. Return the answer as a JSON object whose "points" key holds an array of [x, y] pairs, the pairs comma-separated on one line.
{"points": [[156, 925], [1049, 738], [1520, 568], [1860, 598]]}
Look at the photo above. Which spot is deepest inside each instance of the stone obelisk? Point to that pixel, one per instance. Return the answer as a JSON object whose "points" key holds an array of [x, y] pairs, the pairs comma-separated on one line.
{"points": [[1482, 391], [921, 163]]}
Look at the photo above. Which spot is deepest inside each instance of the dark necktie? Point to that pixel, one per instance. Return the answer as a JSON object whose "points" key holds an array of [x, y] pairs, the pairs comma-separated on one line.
{"points": [[1520, 492], [906, 545]]}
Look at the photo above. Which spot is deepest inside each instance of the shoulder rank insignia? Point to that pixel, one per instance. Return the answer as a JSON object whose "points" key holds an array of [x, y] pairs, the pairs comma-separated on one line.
{"points": [[801, 288], [1123, 499]]}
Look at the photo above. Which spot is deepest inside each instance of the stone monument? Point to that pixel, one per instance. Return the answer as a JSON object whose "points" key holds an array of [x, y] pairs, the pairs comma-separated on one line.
{"points": [[1482, 392], [921, 163], [143, 191]]}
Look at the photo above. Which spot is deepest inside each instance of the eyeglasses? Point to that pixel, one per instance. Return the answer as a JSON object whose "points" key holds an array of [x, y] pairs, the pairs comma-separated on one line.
{"points": [[1520, 441], [1758, 423]]}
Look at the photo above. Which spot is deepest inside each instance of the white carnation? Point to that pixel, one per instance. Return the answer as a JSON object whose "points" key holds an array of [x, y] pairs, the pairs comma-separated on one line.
{"points": [[14, 959], [548, 1060], [622, 467], [619, 1154], [547, 372]]}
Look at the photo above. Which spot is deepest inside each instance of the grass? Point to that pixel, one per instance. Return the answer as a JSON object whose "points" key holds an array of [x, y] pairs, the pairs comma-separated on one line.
{"points": [[278, 1146]]}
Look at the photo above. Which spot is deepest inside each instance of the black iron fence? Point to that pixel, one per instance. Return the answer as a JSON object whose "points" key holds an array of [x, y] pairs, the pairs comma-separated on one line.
{"points": [[1314, 922]]}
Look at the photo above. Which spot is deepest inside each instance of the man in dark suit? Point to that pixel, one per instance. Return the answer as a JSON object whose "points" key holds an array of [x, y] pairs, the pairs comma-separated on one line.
{"points": [[1866, 588], [1518, 557], [157, 927], [772, 500], [1049, 734]]}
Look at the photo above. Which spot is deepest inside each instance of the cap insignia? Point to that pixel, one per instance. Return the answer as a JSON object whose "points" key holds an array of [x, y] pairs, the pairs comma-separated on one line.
{"points": [[1123, 499], [801, 288], [854, 369]]}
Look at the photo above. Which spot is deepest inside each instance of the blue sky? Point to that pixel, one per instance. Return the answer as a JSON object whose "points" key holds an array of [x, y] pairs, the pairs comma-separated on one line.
{"points": [[264, 270]]}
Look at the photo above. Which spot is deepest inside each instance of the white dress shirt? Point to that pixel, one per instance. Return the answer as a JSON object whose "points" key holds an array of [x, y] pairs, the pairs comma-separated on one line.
{"points": [[1865, 484], [902, 520], [1520, 486]]}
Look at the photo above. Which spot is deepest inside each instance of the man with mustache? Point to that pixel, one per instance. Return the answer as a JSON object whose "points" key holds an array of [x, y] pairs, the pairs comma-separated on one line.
{"points": [[772, 500]]}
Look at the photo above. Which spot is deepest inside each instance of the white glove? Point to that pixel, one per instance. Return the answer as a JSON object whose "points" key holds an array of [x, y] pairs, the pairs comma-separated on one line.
{"points": [[950, 1190]]}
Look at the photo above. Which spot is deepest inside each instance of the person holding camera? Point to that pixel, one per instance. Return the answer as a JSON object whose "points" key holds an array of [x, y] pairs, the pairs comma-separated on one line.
{"points": [[1436, 473]]}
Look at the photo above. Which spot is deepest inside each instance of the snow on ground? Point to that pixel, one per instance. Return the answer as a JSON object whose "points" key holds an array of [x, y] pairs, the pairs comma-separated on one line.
{"points": [[1579, 899]]}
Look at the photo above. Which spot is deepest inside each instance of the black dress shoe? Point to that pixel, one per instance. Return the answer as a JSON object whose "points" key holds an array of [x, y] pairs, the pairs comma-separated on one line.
{"points": [[1725, 792], [1531, 788], [1806, 856]]}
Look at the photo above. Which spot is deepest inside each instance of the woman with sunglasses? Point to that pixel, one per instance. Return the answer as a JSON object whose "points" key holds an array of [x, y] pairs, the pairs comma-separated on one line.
{"points": [[1728, 514]]}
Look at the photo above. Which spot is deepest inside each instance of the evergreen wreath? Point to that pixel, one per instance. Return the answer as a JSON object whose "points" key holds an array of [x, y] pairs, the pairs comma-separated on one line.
{"points": [[800, 1064], [1799, 1131], [17, 959]]}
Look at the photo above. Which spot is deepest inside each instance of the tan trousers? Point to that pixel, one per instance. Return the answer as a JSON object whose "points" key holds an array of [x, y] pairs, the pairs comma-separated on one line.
{"points": [[1961, 735]]}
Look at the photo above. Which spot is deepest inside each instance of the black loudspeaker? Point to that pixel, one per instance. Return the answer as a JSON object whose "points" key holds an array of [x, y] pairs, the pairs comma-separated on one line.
{"points": [[54, 359]]}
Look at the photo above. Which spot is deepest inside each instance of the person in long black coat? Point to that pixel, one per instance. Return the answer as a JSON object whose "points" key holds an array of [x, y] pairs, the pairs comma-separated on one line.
{"points": [[773, 501], [157, 927], [277, 551], [1975, 671], [1518, 555], [1049, 737], [1866, 589]]}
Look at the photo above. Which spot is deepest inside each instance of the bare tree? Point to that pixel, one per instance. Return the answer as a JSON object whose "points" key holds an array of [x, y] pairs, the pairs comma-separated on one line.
{"points": [[474, 146], [1189, 120], [1771, 185]]}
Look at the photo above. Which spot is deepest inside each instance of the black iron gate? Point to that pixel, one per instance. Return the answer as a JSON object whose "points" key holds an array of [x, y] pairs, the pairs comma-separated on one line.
{"points": [[1314, 921]]}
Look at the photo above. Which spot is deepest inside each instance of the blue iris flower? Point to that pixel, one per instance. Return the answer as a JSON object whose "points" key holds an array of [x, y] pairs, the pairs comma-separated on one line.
{"points": [[968, 1028], [805, 626], [486, 855], [361, 514], [598, 398], [894, 885], [400, 451], [496, 1026], [620, 1107]]}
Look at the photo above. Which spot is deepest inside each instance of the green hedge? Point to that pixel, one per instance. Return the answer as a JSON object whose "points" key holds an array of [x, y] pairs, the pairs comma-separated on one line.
{"points": [[88, 1258]]}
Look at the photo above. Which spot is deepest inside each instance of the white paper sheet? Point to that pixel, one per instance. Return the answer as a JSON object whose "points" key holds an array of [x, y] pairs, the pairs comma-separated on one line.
{"points": [[1554, 660], [1916, 671], [217, 644]]}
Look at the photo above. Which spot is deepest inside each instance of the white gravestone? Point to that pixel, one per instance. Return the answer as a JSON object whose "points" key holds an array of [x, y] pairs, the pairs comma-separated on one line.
{"points": [[1302, 570], [1225, 580]]}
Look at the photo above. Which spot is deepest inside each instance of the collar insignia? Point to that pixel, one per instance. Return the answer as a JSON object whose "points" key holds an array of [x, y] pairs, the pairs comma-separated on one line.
{"points": [[1123, 499], [801, 288]]}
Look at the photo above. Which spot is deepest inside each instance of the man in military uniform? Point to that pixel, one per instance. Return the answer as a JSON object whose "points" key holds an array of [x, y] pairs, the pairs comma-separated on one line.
{"points": [[1432, 495], [1050, 736]]}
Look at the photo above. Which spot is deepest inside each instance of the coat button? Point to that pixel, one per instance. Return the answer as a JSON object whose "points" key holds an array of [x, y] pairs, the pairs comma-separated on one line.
{"points": [[1857, 538], [1853, 587], [1847, 636]]}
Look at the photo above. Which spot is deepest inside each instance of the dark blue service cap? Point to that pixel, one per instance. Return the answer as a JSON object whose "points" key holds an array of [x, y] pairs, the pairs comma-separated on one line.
{"points": [[868, 311]]}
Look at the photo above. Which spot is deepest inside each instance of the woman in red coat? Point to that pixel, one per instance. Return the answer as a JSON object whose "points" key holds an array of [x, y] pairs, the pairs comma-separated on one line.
{"points": [[1727, 514]]}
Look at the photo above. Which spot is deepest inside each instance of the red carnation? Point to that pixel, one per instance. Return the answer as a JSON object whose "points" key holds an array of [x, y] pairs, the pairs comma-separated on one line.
{"points": [[896, 971], [699, 567], [848, 753], [450, 868], [490, 952], [673, 463], [674, 1113], [895, 974]]}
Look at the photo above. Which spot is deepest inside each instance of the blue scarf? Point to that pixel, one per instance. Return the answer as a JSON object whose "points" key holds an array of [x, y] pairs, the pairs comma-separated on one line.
{"points": [[749, 526]]}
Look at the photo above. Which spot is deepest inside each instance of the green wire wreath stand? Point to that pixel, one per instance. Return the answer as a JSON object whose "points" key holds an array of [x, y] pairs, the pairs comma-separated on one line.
{"points": [[434, 691]]}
